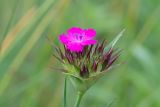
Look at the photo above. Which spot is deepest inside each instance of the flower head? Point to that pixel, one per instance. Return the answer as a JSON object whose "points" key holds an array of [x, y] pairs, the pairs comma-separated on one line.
{"points": [[77, 38], [91, 61], [83, 58]]}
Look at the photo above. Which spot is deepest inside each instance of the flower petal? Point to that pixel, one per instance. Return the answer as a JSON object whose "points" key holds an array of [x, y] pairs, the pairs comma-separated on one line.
{"points": [[89, 42], [90, 33], [63, 38], [75, 30], [75, 47]]}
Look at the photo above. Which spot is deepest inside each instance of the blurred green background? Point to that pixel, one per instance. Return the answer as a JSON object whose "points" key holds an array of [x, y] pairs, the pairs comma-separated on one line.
{"points": [[27, 77]]}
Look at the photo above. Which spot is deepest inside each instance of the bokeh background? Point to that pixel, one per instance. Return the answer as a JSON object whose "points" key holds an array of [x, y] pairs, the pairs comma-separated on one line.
{"points": [[27, 74]]}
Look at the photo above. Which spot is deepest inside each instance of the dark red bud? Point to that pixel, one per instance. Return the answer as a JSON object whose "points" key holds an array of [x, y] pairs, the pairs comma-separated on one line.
{"points": [[95, 65], [112, 61], [106, 58], [101, 47], [84, 72], [89, 52], [95, 50]]}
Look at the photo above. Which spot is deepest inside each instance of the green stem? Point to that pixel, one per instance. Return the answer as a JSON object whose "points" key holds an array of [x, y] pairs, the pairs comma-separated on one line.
{"points": [[65, 93], [78, 100]]}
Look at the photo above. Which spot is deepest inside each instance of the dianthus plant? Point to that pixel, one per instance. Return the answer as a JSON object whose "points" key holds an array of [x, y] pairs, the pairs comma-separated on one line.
{"points": [[84, 59]]}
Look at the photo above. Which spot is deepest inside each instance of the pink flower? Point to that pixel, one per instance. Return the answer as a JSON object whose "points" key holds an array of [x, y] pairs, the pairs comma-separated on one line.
{"points": [[76, 38]]}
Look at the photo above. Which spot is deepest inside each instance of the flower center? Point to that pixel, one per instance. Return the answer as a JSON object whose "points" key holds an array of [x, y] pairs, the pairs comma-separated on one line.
{"points": [[79, 37]]}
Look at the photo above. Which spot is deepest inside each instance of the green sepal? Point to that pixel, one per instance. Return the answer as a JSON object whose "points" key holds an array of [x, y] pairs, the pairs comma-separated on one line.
{"points": [[82, 84]]}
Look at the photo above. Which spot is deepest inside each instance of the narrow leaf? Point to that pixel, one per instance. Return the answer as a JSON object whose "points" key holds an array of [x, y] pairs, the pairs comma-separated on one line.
{"points": [[115, 40]]}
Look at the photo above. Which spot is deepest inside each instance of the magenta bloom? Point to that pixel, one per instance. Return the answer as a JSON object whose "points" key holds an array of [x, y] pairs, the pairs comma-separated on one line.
{"points": [[76, 38]]}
